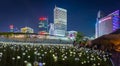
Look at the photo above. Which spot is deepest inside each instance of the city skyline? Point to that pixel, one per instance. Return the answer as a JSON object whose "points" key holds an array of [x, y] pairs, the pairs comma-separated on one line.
{"points": [[81, 14]]}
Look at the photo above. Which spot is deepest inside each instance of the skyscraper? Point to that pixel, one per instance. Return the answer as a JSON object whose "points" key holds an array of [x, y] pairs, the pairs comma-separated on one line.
{"points": [[60, 21], [107, 24]]}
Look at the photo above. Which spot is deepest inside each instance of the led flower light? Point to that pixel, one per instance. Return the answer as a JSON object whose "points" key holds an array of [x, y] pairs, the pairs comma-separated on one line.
{"points": [[43, 55], [94, 64], [38, 54], [77, 59], [23, 53], [98, 64], [28, 56], [65, 57], [82, 62], [13, 58], [40, 57], [1, 54], [88, 61], [25, 61], [55, 58], [45, 52], [26, 51], [18, 57], [43, 63]]}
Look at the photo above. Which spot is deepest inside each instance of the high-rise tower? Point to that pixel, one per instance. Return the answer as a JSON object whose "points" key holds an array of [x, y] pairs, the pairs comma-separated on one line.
{"points": [[60, 21]]}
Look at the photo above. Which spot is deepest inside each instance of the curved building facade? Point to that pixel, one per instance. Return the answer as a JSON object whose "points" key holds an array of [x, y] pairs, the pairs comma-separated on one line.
{"points": [[107, 24]]}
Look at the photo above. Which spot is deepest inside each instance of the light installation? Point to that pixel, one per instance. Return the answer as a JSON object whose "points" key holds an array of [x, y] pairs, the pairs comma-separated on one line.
{"points": [[115, 22]]}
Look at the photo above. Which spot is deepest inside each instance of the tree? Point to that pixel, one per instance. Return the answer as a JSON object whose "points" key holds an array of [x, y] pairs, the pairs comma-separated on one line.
{"points": [[79, 38]]}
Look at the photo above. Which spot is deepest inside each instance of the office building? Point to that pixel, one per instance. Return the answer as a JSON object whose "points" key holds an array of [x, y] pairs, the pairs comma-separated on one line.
{"points": [[60, 21]]}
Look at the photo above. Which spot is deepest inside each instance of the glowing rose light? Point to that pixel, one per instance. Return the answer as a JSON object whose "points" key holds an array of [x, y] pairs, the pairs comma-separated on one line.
{"points": [[35, 63], [38, 54], [25, 61], [40, 57], [40, 64], [42, 54], [43, 63], [13, 58], [98, 64], [82, 62], [28, 56], [23, 53], [28, 64], [94, 64], [88, 61], [18, 57], [1, 54], [77, 59], [63, 59], [45, 52]]}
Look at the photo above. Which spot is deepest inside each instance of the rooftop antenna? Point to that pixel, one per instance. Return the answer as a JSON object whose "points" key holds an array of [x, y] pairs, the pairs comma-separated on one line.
{"points": [[99, 14]]}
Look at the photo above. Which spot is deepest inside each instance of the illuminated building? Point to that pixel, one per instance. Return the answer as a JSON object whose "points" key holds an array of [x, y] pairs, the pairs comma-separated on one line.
{"points": [[107, 24], [60, 21], [11, 28], [43, 24], [27, 30]]}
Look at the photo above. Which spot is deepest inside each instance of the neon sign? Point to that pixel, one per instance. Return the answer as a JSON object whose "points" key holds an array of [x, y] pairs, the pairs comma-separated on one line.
{"points": [[42, 18]]}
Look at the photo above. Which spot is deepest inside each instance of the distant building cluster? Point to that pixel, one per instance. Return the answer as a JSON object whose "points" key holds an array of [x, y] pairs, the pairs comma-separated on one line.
{"points": [[57, 28], [107, 24]]}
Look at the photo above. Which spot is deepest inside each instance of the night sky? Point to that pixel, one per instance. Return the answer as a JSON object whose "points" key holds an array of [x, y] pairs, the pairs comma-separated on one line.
{"points": [[81, 13]]}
